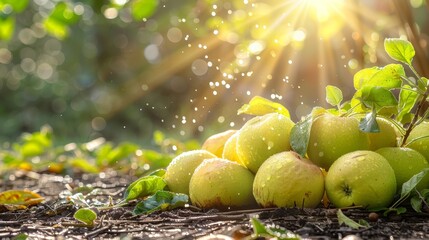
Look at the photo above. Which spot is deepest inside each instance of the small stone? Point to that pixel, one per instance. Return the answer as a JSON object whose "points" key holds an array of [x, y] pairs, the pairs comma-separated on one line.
{"points": [[352, 237], [215, 237], [304, 231], [373, 217]]}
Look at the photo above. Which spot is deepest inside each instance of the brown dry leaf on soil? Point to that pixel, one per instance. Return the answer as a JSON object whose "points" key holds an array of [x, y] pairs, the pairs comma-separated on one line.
{"points": [[13, 200]]}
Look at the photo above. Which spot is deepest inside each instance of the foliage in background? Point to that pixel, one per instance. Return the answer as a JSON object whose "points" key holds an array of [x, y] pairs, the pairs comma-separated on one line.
{"points": [[56, 57], [39, 152]]}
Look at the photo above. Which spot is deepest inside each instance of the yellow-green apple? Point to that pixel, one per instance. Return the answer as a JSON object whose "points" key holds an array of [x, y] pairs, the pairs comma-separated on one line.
{"points": [[287, 180], [361, 178], [230, 149], [419, 139], [220, 183], [406, 162], [261, 137], [215, 143], [387, 137], [333, 136], [181, 168]]}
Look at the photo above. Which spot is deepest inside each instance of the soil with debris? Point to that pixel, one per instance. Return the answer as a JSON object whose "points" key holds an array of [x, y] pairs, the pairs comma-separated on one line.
{"points": [[53, 218]]}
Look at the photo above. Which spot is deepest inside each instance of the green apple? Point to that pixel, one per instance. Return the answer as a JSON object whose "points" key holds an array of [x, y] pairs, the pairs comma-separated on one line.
{"points": [[333, 136], [406, 162], [180, 170], [220, 183], [261, 137], [361, 178], [287, 180], [387, 137], [230, 149], [419, 139], [215, 143]]}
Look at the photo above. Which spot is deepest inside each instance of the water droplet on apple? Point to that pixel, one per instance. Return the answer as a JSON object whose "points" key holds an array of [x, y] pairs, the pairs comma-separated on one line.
{"points": [[270, 145]]}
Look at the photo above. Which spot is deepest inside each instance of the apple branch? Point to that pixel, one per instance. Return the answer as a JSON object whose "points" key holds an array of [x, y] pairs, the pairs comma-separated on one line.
{"points": [[419, 110]]}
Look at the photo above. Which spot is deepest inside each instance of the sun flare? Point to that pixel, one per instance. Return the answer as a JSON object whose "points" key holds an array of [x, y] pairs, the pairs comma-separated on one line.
{"points": [[323, 9]]}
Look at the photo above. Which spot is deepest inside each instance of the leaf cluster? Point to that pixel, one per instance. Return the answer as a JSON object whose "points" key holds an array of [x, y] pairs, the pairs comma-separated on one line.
{"points": [[150, 191], [38, 151], [65, 14]]}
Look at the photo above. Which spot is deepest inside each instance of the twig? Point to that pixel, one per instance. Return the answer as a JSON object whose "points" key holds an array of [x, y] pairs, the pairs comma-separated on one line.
{"points": [[98, 231], [8, 223], [416, 116]]}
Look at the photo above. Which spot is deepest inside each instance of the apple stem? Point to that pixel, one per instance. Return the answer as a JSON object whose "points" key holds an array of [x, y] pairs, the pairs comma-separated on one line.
{"points": [[416, 116]]}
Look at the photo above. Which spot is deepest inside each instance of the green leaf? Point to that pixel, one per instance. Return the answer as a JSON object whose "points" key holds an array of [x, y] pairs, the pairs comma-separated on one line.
{"points": [[378, 97], [86, 216], [260, 230], [416, 203], [63, 13], [158, 172], [300, 135], [425, 193], [369, 123], [407, 99], [411, 184], [334, 95], [56, 29], [363, 76], [17, 5], [389, 76], [397, 211], [364, 223], [423, 84], [7, 25], [158, 137], [161, 201], [399, 50], [258, 227], [347, 221], [84, 165], [141, 9], [261, 106], [143, 187], [44, 138], [155, 159], [356, 103], [21, 236], [121, 152], [60, 18], [31, 149]]}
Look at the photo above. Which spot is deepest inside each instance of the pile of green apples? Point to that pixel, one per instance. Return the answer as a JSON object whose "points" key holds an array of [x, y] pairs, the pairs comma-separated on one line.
{"points": [[358, 153]]}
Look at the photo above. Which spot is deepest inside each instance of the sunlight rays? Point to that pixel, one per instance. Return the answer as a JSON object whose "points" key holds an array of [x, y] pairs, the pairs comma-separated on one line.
{"points": [[287, 51]]}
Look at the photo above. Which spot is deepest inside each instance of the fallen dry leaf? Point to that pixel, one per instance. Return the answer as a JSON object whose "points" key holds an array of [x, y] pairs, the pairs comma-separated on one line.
{"points": [[19, 199]]}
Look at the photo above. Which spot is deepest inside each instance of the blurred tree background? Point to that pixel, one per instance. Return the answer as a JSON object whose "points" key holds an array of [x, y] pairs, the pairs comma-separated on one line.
{"points": [[124, 68]]}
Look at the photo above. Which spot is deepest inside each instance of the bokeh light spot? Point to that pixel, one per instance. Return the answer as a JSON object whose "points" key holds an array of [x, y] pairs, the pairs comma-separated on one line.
{"points": [[98, 123], [151, 53], [199, 67], [174, 35], [110, 13], [5, 56]]}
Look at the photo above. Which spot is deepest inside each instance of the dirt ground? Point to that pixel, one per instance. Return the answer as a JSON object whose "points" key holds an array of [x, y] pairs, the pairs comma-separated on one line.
{"points": [[53, 218]]}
